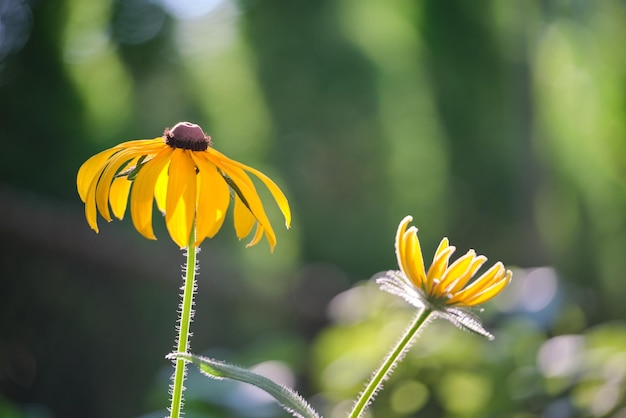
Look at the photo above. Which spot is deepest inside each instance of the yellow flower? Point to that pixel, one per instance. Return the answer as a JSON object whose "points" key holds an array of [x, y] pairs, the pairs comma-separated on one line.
{"points": [[444, 287], [189, 180]]}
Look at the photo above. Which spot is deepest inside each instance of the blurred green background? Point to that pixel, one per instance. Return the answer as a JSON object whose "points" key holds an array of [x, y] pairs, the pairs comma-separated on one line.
{"points": [[500, 124]]}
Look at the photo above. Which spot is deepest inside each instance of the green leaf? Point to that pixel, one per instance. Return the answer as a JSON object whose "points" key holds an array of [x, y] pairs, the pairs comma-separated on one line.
{"points": [[290, 400], [131, 172]]}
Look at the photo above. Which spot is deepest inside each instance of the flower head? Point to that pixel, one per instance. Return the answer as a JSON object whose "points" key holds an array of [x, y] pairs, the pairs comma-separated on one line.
{"points": [[190, 181], [445, 287]]}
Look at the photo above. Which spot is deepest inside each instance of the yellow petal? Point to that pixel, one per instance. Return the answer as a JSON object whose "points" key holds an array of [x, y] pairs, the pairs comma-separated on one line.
{"points": [[457, 269], [443, 245], [104, 185], [244, 221], [246, 187], [440, 261], [401, 243], [213, 199], [487, 279], [160, 188], [277, 194], [180, 206], [90, 202], [414, 261], [462, 280], [143, 191], [258, 234], [148, 145], [118, 196], [90, 170], [491, 291]]}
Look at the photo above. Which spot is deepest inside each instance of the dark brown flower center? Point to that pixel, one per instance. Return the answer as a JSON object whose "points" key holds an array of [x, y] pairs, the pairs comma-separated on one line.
{"points": [[187, 135]]}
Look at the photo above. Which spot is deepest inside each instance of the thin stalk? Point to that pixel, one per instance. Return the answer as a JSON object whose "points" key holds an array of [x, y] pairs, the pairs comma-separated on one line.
{"points": [[385, 369], [184, 321]]}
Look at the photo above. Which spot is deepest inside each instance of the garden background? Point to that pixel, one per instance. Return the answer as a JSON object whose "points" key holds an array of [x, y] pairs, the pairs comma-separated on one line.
{"points": [[501, 125]]}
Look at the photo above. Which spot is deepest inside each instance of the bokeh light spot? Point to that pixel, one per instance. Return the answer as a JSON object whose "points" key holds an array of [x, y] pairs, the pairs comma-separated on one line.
{"points": [[538, 289], [464, 393], [408, 397], [561, 356]]}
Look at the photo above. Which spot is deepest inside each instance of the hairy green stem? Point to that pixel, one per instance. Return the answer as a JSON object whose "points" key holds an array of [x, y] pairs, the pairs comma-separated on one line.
{"points": [[184, 321], [385, 369]]}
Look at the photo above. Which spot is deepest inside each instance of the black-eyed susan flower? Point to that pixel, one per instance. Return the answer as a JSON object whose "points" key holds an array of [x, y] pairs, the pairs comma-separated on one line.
{"points": [[442, 291], [191, 182], [445, 288]]}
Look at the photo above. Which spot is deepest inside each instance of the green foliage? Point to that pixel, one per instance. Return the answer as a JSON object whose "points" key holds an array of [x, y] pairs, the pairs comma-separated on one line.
{"points": [[216, 369], [449, 373]]}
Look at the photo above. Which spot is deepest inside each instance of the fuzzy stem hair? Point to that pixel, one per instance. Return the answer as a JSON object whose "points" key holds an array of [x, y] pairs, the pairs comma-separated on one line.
{"points": [[394, 356], [184, 322]]}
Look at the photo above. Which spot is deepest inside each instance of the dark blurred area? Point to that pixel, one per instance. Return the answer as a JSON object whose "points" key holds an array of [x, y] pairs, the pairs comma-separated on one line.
{"points": [[501, 125]]}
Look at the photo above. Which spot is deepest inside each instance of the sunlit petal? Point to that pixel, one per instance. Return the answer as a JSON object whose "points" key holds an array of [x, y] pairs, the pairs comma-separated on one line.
{"points": [[277, 194], [413, 259], [213, 199], [490, 292], [244, 221], [459, 267], [191, 183], [143, 191], [258, 234], [148, 145], [445, 288], [462, 280], [408, 245], [104, 185], [160, 188], [491, 276], [440, 263], [118, 196], [181, 195], [443, 246], [90, 202], [245, 185], [90, 170], [401, 243]]}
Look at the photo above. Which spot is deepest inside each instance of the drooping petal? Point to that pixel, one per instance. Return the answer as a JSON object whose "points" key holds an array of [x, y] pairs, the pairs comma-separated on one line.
{"points": [[258, 235], [244, 221], [143, 192], [118, 196], [277, 194], [104, 185], [90, 170], [90, 201], [213, 199], [180, 206], [246, 187], [160, 188]]}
